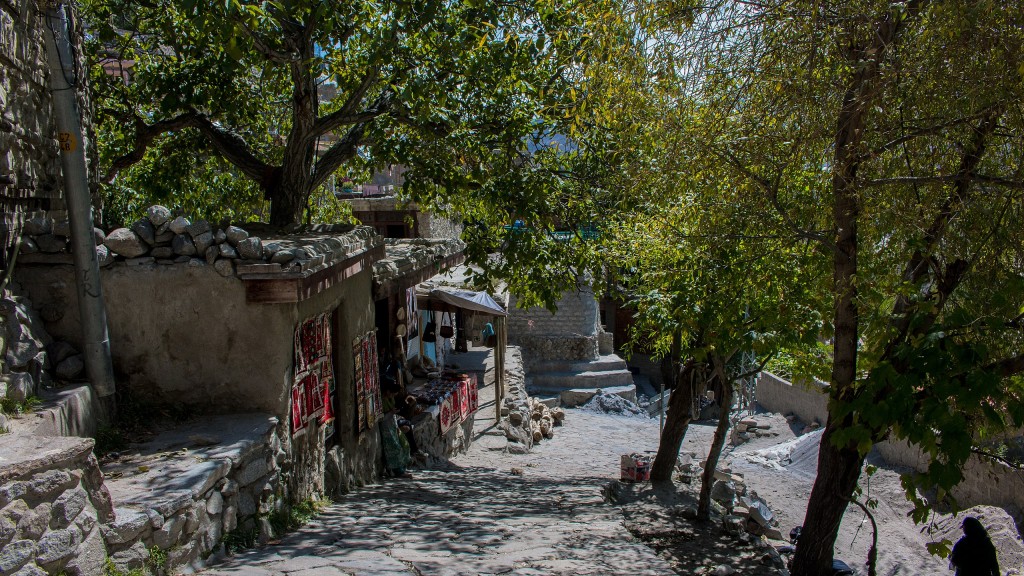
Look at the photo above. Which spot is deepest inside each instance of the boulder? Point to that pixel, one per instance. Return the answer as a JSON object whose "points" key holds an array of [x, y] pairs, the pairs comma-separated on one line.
{"points": [[180, 225], [71, 367], [251, 248], [282, 257], [145, 230], [21, 351], [198, 228], [59, 350], [21, 386], [183, 245], [235, 235], [28, 246], [104, 256], [226, 251], [37, 226], [99, 236], [203, 241], [62, 229], [211, 254], [220, 237], [158, 214], [50, 244], [125, 243], [162, 252]]}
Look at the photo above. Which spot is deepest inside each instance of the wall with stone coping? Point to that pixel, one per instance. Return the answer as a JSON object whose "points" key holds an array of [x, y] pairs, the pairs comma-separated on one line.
{"points": [[571, 333], [52, 504]]}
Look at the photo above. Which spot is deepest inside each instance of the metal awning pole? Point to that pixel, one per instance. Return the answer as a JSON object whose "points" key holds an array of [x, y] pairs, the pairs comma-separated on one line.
{"points": [[95, 341]]}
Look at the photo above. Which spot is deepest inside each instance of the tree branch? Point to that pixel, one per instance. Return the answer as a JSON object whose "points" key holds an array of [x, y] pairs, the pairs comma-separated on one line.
{"points": [[145, 134], [943, 178]]}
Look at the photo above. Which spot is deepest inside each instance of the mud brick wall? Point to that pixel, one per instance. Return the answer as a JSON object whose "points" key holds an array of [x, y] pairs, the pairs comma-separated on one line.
{"points": [[52, 502]]}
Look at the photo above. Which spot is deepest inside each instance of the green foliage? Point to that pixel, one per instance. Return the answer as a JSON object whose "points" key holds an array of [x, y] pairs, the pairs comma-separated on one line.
{"points": [[296, 515], [111, 569], [110, 439], [240, 539], [14, 407]]}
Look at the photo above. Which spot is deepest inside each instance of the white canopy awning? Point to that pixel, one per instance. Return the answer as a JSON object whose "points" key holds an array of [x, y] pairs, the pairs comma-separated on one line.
{"points": [[466, 299]]}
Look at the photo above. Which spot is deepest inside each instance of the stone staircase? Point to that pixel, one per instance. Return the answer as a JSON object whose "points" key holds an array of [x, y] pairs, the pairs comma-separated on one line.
{"points": [[571, 383]]}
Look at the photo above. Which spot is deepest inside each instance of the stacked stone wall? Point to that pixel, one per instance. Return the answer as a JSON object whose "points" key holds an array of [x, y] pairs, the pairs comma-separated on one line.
{"points": [[234, 492], [30, 170], [52, 504]]}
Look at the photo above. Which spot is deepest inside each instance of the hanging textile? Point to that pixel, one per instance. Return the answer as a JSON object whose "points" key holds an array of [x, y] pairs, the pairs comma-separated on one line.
{"points": [[366, 377], [312, 394], [412, 312]]}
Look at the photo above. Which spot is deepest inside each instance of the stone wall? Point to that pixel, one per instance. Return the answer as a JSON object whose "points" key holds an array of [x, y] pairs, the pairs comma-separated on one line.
{"points": [[30, 171], [185, 502], [52, 504], [571, 333]]}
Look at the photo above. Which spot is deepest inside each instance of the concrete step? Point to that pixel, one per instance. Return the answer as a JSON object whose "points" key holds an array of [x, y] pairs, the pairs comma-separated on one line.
{"points": [[604, 362], [593, 379]]}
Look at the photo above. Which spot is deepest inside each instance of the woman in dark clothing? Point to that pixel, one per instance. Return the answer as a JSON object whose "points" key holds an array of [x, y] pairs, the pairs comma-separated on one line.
{"points": [[974, 554]]}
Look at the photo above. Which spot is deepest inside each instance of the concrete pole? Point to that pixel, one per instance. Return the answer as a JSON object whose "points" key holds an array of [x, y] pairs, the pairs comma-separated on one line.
{"points": [[95, 342]]}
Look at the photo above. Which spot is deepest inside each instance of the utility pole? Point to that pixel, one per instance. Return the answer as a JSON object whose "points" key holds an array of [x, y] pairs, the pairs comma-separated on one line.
{"points": [[63, 80]]}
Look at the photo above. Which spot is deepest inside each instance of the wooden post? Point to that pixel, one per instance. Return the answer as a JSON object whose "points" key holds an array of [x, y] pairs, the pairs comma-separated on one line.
{"points": [[499, 366]]}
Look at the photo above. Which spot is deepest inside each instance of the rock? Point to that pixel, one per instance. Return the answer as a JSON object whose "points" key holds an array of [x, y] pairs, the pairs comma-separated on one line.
{"points": [[37, 226], [271, 248], [28, 246], [203, 241], [226, 251], [164, 238], [158, 214], [162, 252], [228, 487], [57, 545], [196, 262], [46, 485], [282, 257], [67, 507], [131, 559], [90, 557], [246, 505], [62, 229], [723, 570], [180, 225], [21, 351], [145, 230], [31, 570], [15, 555], [211, 254], [220, 237], [104, 256], [224, 267], [127, 526], [125, 243], [169, 533], [182, 259], [251, 248], [198, 228], [11, 492], [21, 386], [230, 518], [215, 503], [50, 244], [98, 236], [156, 519], [71, 367], [235, 235], [183, 245], [34, 522]]}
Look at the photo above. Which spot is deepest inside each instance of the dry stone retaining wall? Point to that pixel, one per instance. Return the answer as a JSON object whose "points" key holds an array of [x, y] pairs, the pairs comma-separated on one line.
{"points": [[571, 333], [52, 504]]}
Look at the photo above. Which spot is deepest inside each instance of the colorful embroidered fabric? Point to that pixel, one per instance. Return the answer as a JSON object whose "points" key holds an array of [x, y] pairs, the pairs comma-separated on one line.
{"points": [[312, 394]]}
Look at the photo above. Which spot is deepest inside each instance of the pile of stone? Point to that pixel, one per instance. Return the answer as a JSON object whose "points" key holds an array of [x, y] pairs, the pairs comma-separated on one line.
{"points": [[166, 238], [746, 512], [749, 428], [32, 360]]}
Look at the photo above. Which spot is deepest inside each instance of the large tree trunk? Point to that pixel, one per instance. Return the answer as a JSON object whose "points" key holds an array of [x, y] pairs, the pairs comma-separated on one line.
{"points": [[680, 412], [708, 476], [838, 471]]}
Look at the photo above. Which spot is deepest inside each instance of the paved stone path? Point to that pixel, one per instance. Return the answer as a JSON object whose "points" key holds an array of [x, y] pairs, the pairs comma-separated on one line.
{"points": [[491, 513]]}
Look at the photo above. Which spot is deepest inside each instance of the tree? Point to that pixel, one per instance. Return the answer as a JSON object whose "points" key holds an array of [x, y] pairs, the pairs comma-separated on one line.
{"points": [[888, 134], [470, 83]]}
